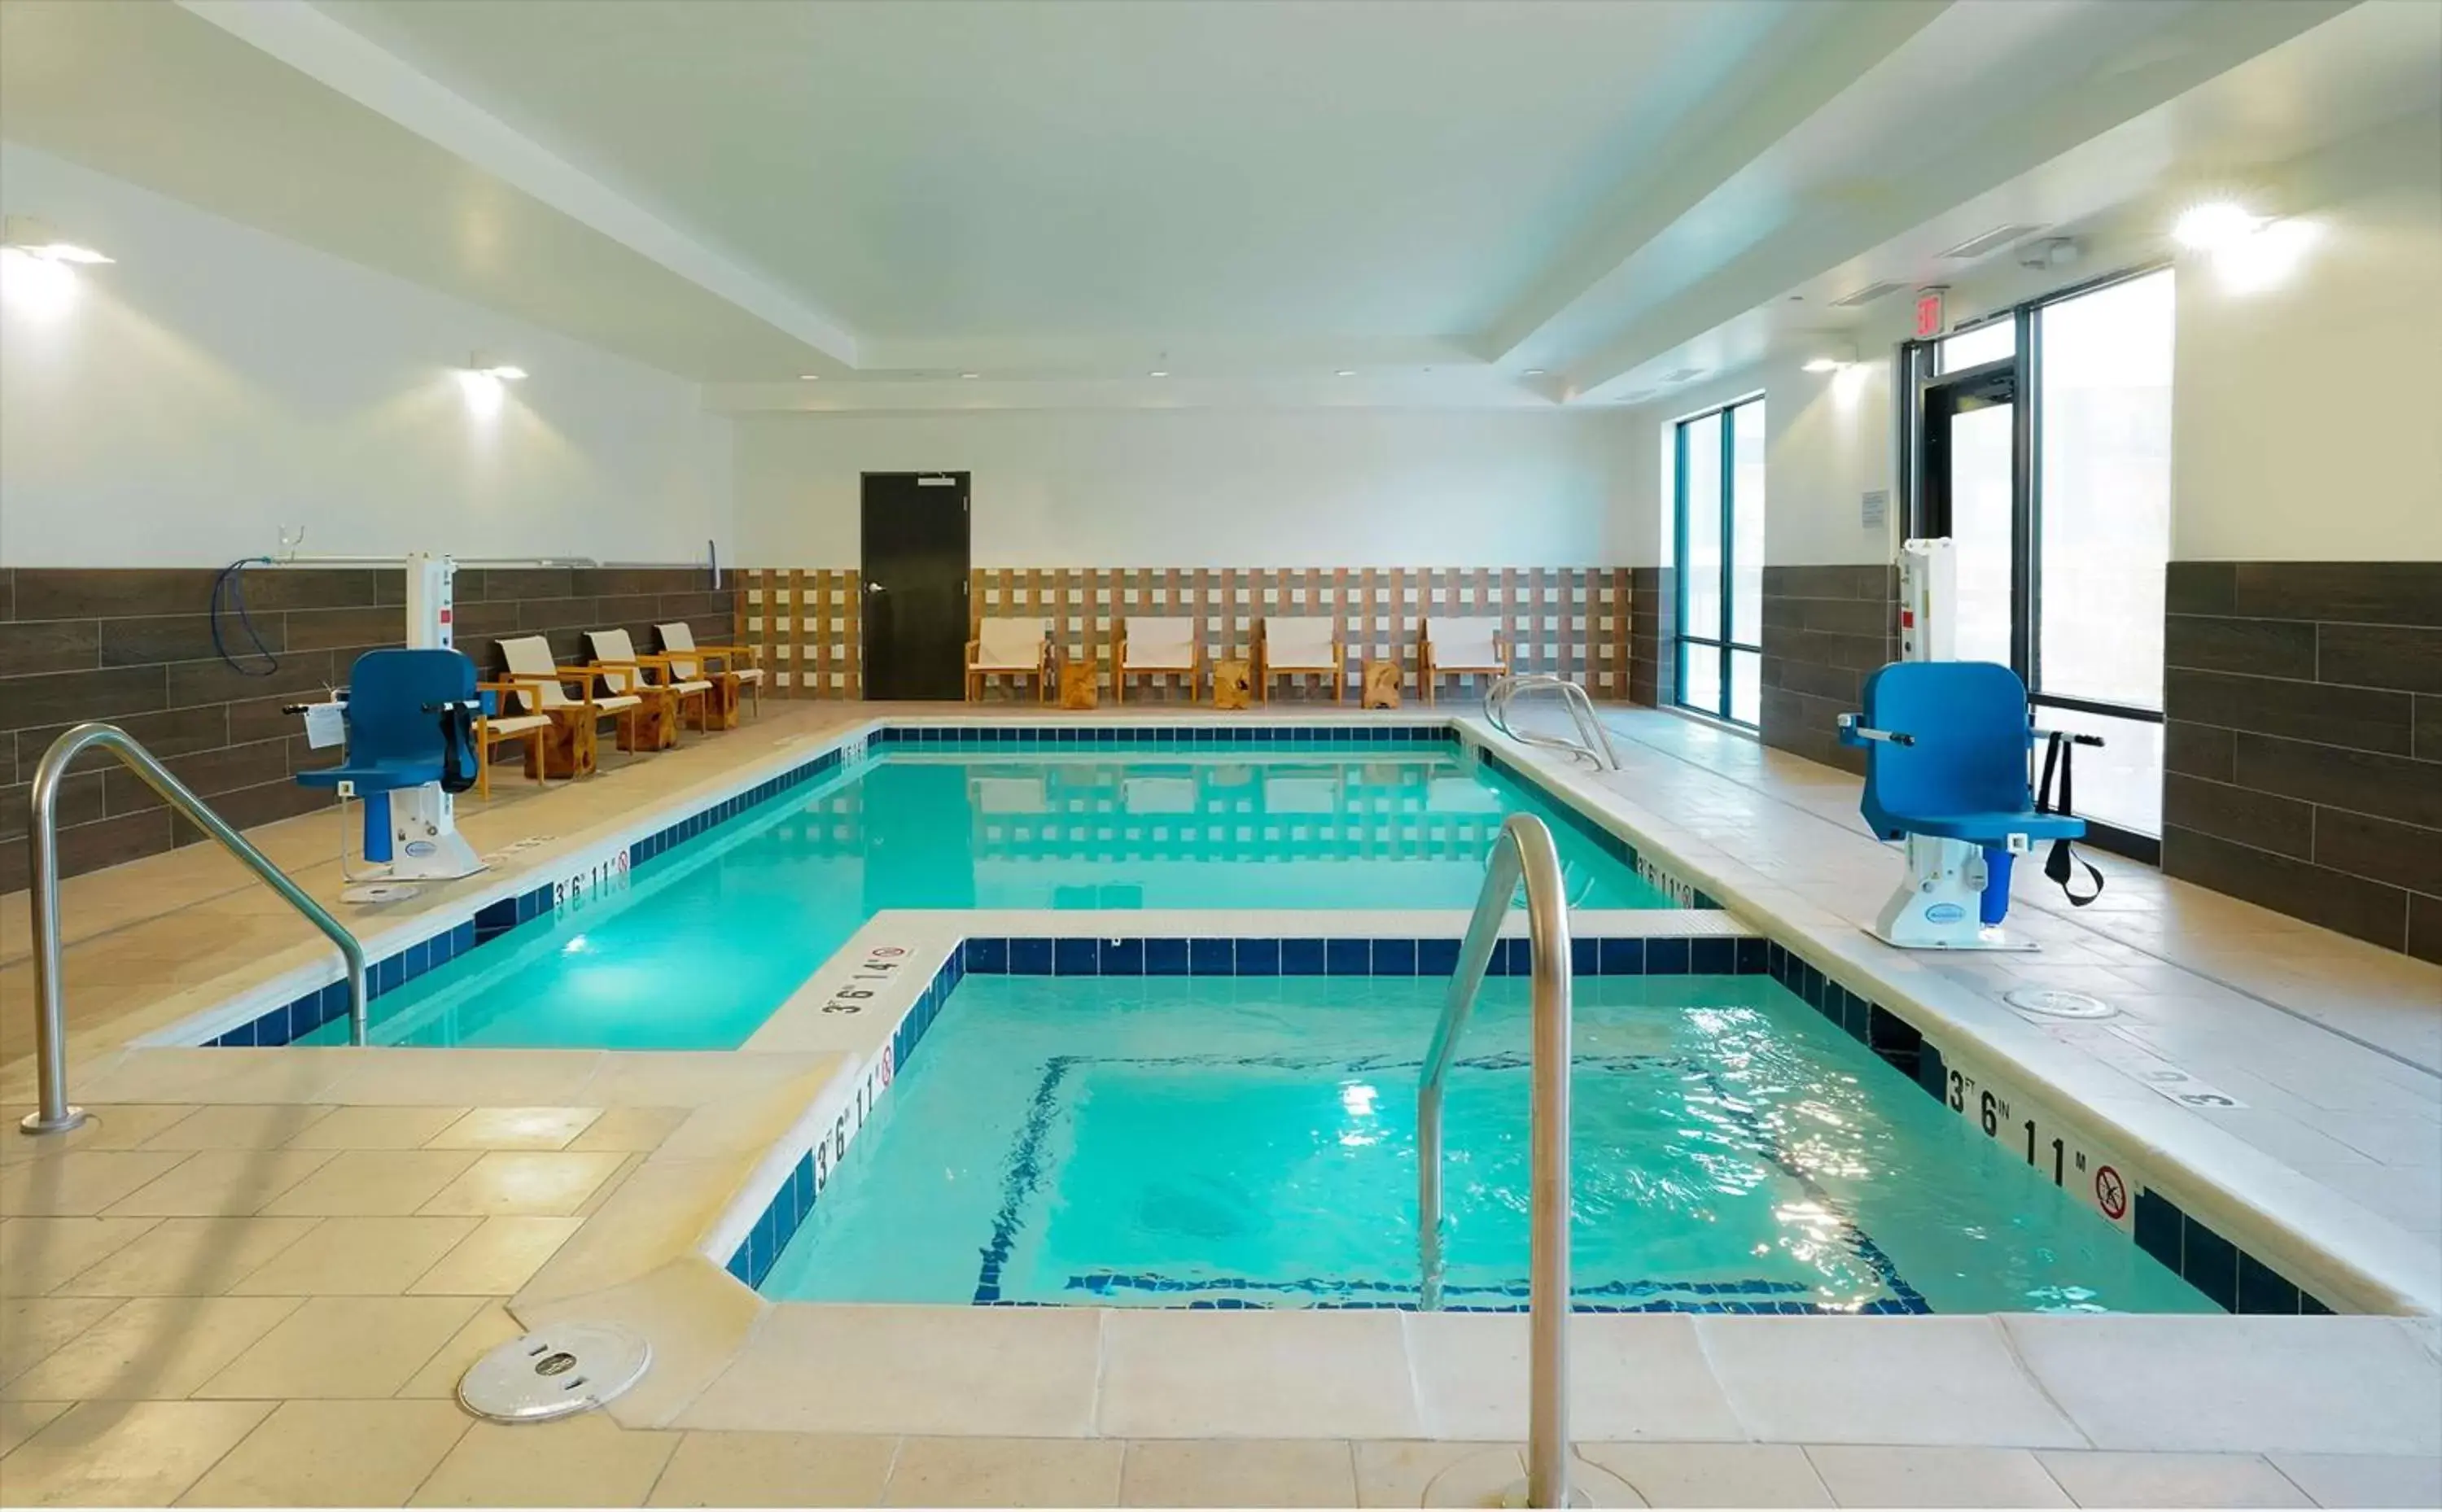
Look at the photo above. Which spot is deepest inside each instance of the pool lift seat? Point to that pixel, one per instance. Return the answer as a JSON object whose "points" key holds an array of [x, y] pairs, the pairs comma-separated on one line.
{"points": [[1946, 746], [410, 719]]}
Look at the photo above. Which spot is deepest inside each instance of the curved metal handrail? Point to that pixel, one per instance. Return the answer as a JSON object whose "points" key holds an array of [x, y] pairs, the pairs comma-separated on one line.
{"points": [[54, 1114], [1593, 742], [1524, 852]]}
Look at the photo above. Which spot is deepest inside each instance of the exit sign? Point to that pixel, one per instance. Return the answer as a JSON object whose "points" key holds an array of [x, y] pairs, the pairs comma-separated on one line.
{"points": [[1928, 313]]}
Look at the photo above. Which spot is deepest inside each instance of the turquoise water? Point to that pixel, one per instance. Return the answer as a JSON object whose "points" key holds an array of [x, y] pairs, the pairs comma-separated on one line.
{"points": [[1250, 1142], [702, 943]]}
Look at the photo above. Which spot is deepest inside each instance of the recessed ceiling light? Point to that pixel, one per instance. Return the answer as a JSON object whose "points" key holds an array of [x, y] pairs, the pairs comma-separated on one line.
{"points": [[809, 377], [1534, 373], [970, 375], [1346, 373], [1158, 373]]}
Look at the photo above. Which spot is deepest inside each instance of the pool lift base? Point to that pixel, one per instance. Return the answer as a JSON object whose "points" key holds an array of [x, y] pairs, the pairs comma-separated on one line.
{"points": [[554, 1371]]}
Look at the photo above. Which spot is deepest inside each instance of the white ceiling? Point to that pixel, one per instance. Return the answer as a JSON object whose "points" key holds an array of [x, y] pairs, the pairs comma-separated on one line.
{"points": [[1060, 195]]}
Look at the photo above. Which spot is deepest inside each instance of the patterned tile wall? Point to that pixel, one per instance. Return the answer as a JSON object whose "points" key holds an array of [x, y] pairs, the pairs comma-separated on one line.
{"points": [[1571, 620]]}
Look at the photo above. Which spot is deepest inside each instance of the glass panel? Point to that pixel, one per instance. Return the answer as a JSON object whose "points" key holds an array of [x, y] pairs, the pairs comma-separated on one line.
{"points": [[2120, 783], [1699, 681], [2107, 492], [1979, 526], [1746, 697], [1747, 527], [1986, 343], [1700, 572]]}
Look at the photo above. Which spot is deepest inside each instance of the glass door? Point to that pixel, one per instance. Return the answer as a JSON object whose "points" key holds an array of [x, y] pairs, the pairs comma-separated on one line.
{"points": [[2042, 450]]}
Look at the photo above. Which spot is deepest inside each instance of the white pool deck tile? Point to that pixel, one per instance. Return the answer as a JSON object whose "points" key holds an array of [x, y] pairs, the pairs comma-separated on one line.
{"points": [[276, 1170]]}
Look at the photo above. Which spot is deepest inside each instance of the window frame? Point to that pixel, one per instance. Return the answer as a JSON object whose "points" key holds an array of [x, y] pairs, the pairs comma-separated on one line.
{"points": [[1722, 643], [1920, 382]]}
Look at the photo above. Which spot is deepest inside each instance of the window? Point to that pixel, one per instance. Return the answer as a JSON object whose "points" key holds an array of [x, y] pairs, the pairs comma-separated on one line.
{"points": [[1719, 547]]}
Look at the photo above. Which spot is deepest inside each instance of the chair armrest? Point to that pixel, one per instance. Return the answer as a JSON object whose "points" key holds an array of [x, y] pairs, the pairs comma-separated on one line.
{"points": [[589, 673], [972, 647]]}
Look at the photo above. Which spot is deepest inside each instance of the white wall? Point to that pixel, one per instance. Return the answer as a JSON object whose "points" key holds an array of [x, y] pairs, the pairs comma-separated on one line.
{"points": [[2307, 416], [1207, 487], [217, 383]]}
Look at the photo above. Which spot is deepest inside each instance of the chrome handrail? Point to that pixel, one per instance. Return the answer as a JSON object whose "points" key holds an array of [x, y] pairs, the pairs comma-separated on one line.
{"points": [[1523, 851], [1593, 742], [54, 1115]]}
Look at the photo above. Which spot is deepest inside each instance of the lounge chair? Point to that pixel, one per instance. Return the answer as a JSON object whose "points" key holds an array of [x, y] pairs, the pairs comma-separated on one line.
{"points": [[1014, 647], [1457, 647], [624, 670], [525, 731], [1151, 647], [720, 663], [1295, 646], [539, 685]]}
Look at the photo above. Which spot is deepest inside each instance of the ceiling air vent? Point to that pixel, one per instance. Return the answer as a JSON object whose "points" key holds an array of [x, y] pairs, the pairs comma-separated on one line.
{"points": [[1867, 295], [1992, 241], [1682, 374]]}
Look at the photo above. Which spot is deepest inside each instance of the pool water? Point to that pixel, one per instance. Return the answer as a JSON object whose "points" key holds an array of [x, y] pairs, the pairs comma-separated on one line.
{"points": [[703, 942], [1237, 1142]]}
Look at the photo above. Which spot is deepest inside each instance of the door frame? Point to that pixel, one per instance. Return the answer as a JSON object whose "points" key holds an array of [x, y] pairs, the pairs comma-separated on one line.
{"points": [[963, 484], [1923, 393]]}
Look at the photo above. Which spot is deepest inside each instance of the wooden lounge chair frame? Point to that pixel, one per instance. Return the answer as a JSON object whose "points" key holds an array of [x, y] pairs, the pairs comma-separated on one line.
{"points": [[1044, 664], [731, 679], [1192, 672], [1265, 669], [1428, 669]]}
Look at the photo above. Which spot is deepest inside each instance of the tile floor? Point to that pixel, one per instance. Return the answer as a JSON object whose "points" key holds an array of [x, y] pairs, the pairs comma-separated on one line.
{"points": [[266, 1296]]}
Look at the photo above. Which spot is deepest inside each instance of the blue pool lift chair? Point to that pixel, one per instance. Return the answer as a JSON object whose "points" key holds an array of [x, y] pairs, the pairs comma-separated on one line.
{"points": [[409, 717], [1946, 746]]}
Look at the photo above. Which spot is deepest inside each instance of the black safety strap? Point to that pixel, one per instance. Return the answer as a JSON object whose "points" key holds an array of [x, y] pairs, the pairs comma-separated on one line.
{"points": [[2060, 752], [457, 744]]}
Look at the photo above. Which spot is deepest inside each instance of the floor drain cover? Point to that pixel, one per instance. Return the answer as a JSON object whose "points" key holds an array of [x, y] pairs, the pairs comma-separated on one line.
{"points": [[554, 1372], [2053, 1003], [378, 892]]}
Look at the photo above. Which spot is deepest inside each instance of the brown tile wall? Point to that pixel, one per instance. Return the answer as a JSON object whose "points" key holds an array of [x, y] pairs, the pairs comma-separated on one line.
{"points": [[1574, 621], [2302, 749], [134, 646], [1652, 671], [1824, 629]]}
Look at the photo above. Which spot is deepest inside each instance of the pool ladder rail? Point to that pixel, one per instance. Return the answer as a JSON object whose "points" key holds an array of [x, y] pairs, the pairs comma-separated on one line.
{"points": [[1591, 743], [54, 1114], [1524, 852]]}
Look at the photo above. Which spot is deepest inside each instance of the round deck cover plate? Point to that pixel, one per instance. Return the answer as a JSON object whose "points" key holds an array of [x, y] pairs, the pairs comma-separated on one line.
{"points": [[2054, 1003], [554, 1371]]}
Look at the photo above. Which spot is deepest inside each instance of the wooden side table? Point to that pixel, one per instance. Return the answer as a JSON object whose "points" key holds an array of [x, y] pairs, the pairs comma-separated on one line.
{"points": [[1079, 688], [1233, 683], [1382, 679]]}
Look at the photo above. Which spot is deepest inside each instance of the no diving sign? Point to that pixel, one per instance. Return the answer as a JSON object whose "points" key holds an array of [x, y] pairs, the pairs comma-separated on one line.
{"points": [[2110, 1192]]}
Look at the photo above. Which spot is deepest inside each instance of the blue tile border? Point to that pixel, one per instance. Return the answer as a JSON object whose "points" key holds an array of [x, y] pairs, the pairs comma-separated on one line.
{"points": [[1346, 955]]}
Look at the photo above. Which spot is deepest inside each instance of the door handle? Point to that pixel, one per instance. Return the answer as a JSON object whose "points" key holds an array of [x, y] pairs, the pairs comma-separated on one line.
{"points": [[877, 587]]}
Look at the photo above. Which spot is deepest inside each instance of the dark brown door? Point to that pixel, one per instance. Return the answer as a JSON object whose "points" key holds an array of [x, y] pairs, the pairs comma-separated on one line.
{"points": [[915, 608]]}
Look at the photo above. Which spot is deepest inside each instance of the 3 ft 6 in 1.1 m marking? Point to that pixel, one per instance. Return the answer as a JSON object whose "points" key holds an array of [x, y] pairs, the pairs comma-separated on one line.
{"points": [[2098, 1182]]}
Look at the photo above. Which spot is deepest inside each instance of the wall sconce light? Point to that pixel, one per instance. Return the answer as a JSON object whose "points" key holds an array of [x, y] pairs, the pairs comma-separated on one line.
{"points": [[498, 372], [1837, 359], [38, 274]]}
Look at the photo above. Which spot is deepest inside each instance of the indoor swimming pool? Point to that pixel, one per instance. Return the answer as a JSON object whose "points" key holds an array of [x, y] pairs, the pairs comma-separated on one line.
{"points": [[1249, 1143], [699, 944]]}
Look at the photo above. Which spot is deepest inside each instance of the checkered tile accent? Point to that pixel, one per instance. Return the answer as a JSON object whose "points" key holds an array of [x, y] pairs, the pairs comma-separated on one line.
{"points": [[1573, 621]]}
